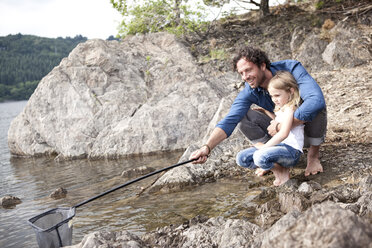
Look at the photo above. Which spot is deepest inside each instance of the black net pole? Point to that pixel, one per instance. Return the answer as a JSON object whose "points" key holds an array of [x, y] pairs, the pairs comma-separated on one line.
{"points": [[133, 181]]}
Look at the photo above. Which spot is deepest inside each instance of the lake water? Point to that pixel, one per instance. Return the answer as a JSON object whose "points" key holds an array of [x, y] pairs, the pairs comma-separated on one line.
{"points": [[34, 179]]}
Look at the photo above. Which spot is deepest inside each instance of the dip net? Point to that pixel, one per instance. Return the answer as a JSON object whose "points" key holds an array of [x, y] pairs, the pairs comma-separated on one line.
{"points": [[52, 227]]}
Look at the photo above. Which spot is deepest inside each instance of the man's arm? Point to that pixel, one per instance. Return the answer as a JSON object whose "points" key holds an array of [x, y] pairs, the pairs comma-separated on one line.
{"points": [[311, 94], [216, 137]]}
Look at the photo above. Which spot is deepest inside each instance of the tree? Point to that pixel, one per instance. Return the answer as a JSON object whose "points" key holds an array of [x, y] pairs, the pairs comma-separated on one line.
{"points": [[263, 5], [149, 16]]}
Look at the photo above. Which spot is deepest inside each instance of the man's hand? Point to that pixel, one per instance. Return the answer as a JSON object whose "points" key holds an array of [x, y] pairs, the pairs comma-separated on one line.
{"points": [[273, 128], [202, 153]]}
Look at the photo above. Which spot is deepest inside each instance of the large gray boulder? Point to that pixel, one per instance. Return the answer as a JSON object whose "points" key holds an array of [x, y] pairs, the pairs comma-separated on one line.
{"points": [[145, 94]]}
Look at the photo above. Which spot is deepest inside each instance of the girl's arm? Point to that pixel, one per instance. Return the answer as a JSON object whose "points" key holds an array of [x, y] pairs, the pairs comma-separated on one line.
{"points": [[266, 112], [283, 133]]}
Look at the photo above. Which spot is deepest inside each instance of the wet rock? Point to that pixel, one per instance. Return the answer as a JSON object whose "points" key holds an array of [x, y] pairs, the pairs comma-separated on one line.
{"points": [[9, 201], [142, 170], [110, 239], [58, 193], [215, 232], [323, 225]]}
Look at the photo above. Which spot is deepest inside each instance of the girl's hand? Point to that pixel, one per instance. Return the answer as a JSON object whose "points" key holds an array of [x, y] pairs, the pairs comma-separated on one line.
{"points": [[264, 111], [259, 109], [272, 128], [258, 145]]}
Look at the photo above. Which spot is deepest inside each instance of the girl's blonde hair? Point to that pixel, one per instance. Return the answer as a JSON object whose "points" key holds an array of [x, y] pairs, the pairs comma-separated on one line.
{"points": [[283, 80]]}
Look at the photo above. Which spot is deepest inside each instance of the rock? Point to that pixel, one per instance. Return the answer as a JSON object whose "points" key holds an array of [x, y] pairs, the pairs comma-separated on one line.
{"points": [[123, 239], [348, 48], [279, 228], [362, 207], [109, 99], [198, 232], [365, 206], [365, 183], [58, 193], [192, 174], [290, 201], [310, 52], [306, 188], [9, 201], [323, 225], [269, 213], [142, 170], [215, 232]]}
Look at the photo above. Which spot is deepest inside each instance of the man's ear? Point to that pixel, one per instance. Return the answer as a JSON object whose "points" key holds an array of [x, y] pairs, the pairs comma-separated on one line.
{"points": [[263, 66]]}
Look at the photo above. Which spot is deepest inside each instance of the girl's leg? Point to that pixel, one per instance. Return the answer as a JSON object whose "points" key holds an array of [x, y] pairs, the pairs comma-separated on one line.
{"points": [[244, 158], [278, 159], [260, 172], [281, 174]]}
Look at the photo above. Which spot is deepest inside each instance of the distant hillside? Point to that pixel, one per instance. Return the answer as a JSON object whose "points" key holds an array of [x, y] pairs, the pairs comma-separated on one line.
{"points": [[26, 59]]}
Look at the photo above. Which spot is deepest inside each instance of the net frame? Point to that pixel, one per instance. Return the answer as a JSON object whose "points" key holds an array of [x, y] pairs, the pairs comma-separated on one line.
{"points": [[52, 228]]}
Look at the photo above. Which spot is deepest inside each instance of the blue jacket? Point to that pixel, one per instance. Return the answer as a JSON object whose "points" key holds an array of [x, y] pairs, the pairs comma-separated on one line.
{"points": [[310, 92]]}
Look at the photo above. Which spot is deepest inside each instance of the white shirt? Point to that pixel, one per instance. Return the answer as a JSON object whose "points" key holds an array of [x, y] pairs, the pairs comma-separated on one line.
{"points": [[295, 137]]}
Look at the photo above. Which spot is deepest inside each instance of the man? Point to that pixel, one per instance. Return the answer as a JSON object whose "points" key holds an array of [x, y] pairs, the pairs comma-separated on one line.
{"points": [[256, 70]]}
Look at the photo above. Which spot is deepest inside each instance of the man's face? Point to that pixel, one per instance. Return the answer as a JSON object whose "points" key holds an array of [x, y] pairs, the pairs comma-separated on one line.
{"points": [[250, 72]]}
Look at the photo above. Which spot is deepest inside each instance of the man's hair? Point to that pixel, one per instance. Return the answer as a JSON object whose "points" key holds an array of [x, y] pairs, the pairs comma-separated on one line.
{"points": [[253, 55]]}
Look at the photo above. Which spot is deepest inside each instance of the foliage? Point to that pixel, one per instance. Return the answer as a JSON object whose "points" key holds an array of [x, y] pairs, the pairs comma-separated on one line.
{"points": [[26, 59], [263, 5], [149, 16], [20, 91], [319, 4], [215, 54]]}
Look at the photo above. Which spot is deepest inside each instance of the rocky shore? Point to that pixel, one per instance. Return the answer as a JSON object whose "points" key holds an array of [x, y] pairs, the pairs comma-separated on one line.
{"points": [[156, 93]]}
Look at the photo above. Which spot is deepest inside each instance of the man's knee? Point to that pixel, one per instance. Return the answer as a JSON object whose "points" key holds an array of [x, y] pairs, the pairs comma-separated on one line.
{"points": [[254, 126], [315, 131]]}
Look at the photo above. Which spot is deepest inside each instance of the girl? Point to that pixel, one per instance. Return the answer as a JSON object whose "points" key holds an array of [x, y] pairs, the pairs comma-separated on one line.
{"points": [[284, 149]]}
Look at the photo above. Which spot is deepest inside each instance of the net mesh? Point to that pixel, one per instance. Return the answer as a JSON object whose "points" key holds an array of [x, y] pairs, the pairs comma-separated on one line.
{"points": [[52, 228]]}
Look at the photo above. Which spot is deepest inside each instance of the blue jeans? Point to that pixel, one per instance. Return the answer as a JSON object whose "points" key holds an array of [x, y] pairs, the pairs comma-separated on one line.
{"points": [[265, 158]]}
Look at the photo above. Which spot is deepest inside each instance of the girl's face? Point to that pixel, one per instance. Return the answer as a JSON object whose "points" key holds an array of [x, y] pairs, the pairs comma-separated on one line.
{"points": [[280, 97]]}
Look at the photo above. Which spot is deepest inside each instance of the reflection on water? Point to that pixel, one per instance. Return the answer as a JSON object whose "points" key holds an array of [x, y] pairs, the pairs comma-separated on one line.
{"points": [[33, 179]]}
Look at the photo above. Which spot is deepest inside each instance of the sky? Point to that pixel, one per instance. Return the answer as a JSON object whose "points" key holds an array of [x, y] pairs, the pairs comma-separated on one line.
{"points": [[62, 18], [59, 18]]}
